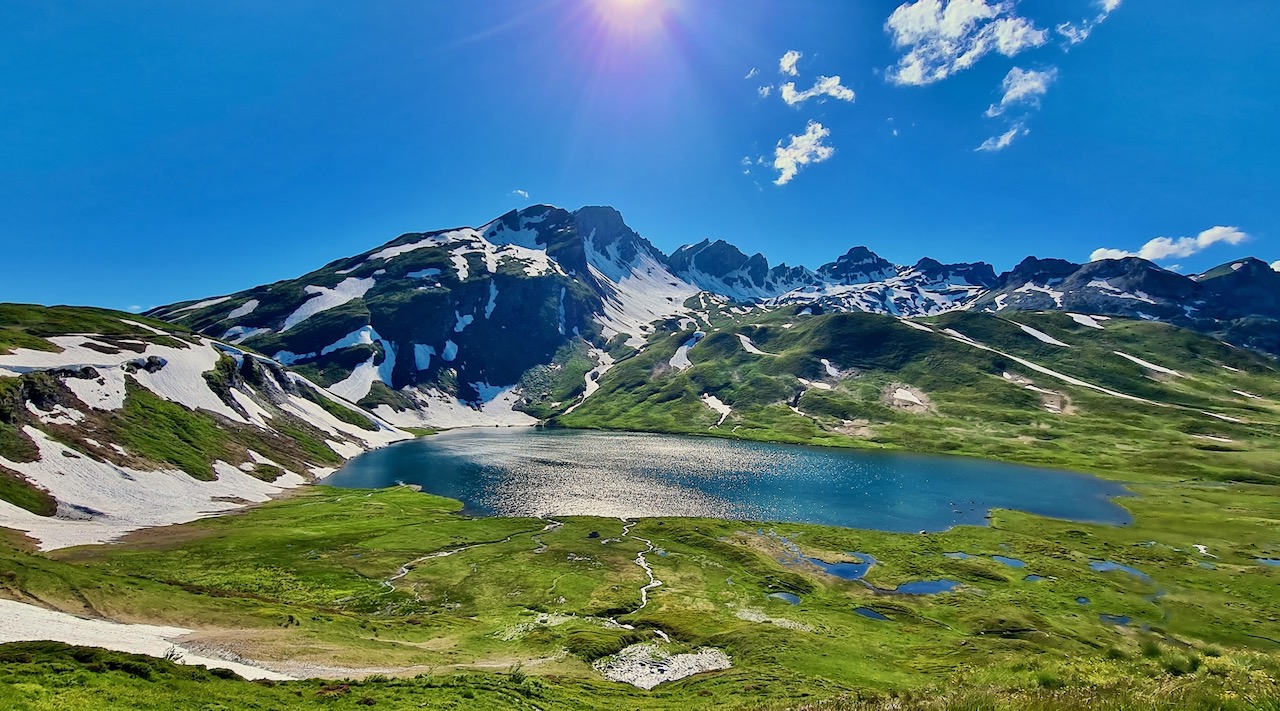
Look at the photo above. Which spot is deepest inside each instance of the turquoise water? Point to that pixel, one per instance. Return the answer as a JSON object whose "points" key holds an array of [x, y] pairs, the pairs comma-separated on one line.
{"points": [[1103, 566], [846, 571], [544, 472], [1011, 562], [926, 587]]}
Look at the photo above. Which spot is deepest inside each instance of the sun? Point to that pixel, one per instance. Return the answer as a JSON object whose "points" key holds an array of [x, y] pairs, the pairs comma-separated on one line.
{"points": [[632, 17]]}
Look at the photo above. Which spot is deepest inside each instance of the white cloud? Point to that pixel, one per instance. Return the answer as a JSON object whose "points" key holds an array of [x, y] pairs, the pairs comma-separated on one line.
{"points": [[942, 37], [1075, 34], [1003, 141], [1107, 253], [1166, 248], [520, 193], [1023, 86], [752, 73], [787, 65], [801, 151], [825, 86], [138, 309], [764, 91], [1275, 266]]}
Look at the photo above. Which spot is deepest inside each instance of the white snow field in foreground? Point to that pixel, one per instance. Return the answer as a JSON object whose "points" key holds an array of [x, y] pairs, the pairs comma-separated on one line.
{"points": [[28, 623]]}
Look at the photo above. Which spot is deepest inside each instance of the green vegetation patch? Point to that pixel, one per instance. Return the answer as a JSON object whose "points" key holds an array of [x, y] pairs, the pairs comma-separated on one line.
{"points": [[15, 489]]}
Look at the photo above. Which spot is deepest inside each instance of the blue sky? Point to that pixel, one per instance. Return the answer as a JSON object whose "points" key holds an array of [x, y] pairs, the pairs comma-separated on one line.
{"points": [[158, 151]]}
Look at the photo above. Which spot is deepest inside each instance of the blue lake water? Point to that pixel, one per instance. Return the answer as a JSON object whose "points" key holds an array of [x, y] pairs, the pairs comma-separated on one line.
{"points": [[926, 587], [870, 614], [1011, 562], [544, 472], [1103, 566], [846, 571], [1273, 562], [789, 598]]}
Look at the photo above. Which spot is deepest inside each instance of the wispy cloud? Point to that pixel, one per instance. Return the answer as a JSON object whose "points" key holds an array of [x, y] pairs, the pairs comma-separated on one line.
{"points": [[1023, 87], [1076, 33], [800, 151], [1004, 140], [764, 91], [1162, 248], [941, 37], [520, 193], [752, 73], [138, 309], [825, 86], [787, 65]]}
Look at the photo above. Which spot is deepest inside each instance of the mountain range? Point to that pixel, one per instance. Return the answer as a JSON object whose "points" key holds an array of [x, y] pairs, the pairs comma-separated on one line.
{"points": [[469, 325]]}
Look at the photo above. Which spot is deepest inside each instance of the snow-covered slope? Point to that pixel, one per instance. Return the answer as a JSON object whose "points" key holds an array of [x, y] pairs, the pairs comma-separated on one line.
{"points": [[443, 328], [439, 328], [125, 425]]}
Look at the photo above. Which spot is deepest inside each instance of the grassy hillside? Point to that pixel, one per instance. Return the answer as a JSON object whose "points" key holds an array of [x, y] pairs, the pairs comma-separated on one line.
{"points": [[977, 401], [517, 616], [401, 601]]}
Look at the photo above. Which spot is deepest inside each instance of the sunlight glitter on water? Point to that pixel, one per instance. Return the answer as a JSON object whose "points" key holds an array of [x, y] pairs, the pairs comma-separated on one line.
{"points": [[541, 472]]}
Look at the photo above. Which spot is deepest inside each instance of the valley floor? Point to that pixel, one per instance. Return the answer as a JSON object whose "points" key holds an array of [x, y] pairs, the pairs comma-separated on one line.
{"points": [[426, 606]]}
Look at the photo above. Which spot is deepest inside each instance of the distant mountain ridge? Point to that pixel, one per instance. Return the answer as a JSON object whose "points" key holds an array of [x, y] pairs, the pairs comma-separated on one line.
{"points": [[503, 322]]}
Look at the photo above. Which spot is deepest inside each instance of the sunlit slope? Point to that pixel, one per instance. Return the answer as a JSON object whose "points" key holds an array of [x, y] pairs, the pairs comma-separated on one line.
{"points": [[110, 422], [1112, 395]]}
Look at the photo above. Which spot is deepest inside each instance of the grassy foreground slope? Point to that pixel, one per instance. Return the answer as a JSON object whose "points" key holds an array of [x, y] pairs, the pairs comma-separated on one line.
{"points": [[401, 602], [1206, 410], [517, 615]]}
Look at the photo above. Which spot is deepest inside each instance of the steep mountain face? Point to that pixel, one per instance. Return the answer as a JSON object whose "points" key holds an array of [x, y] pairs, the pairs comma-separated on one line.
{"points": [[518, 318], [1238, 301], [925, 289], [109, 423], [858, 266], [721, 268], [437, 328]]}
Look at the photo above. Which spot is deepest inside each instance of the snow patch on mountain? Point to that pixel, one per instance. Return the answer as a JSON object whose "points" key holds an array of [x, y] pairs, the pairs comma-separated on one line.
{"points": [[434, 408], [749, 346], [325, 298], [680, 361], [202, 304], [1149, 365], [99, 501], [715, 404], [639, 292], [244, 309], [1090, 321], [422, 356], [1042, 336]]}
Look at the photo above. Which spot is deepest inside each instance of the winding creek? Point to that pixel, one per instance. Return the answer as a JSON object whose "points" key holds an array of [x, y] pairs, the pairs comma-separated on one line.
{"points": [[540, 473]]}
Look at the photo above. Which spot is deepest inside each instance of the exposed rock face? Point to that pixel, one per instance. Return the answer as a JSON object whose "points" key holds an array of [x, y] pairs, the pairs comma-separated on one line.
{"points": [[858, 266], [453, 319]]}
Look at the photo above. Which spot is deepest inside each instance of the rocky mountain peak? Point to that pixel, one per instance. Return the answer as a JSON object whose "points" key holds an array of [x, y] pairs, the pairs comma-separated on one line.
{"points": [[858, 266]]}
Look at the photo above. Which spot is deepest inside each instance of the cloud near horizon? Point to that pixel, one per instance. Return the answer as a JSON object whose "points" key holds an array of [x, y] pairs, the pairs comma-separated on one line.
{"points": [[1165, 248], [800, 151]]}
